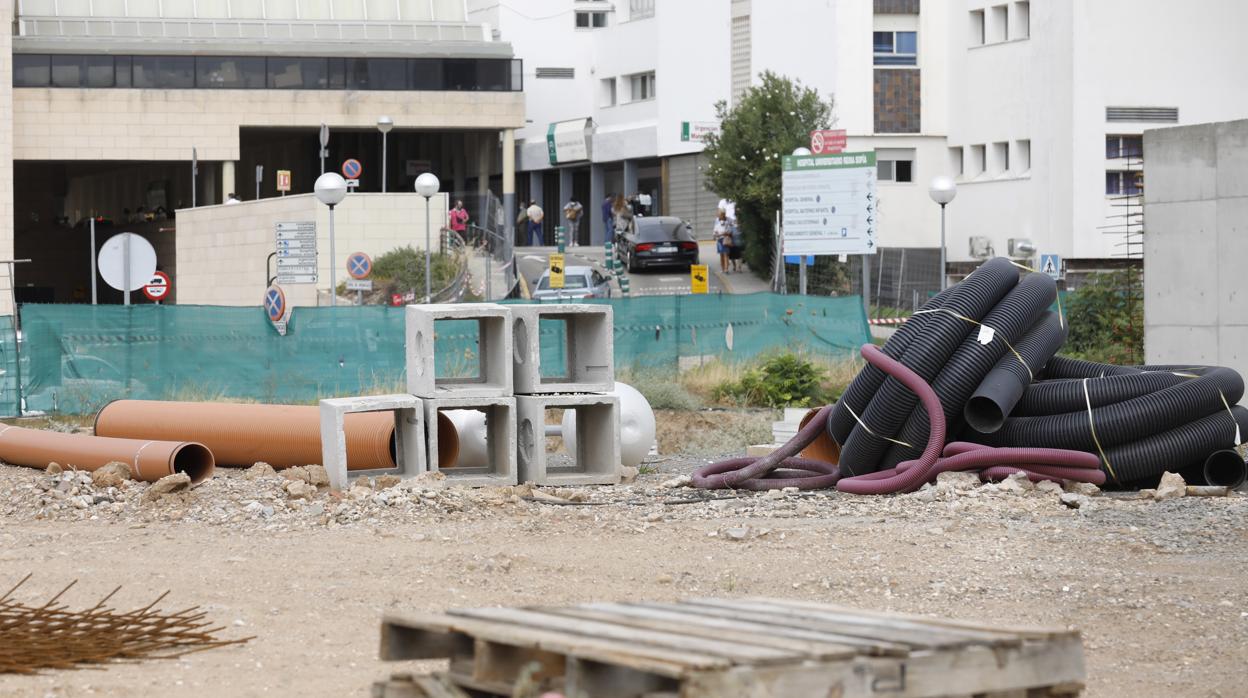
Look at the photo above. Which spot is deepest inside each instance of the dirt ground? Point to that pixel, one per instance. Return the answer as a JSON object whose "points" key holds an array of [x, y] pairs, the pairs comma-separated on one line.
{"points": [[1156, 587]]}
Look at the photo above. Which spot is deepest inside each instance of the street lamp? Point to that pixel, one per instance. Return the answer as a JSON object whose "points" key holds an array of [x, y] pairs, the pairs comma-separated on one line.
{"points": [[384, 124], [427, 185], [801, 150], [942, 190], [331, 189]]}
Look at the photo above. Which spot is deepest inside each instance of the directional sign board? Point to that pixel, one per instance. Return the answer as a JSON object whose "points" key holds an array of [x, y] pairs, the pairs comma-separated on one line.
{"points": [[359, 265], [296, 252], [157, 288], [698, 277], [829, 204], [1051, 264]]}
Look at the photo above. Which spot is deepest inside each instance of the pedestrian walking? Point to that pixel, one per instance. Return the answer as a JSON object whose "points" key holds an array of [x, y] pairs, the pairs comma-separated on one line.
{"points": [[621, 215], [723, 239], [572, 212], [535, 215], [737, 251], [607, 204], [459, 219]]}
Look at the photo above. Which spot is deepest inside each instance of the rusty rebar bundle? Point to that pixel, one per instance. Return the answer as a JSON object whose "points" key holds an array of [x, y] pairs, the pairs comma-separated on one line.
{"points": [[49, 636]]}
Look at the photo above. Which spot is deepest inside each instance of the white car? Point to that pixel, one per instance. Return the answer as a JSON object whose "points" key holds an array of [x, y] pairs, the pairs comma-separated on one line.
{"points": [[578, 283]]}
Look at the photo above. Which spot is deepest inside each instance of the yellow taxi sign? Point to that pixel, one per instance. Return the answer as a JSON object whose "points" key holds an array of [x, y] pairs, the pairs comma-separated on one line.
{"points": [[556, 270], [698, 278]]}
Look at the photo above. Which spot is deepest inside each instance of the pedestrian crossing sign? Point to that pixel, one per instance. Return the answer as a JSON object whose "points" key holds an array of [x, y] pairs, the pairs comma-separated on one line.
{"points": [[1051, 264]]}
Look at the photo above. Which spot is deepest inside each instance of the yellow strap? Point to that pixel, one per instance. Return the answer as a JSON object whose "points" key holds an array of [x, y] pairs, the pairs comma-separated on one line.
{"points": [[1238, 439], [1088, 399], [1030, 374], [869, 431]]}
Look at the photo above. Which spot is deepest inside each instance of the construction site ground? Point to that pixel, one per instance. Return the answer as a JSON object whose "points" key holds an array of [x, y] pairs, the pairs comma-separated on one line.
{"points": [[1157, 587]]}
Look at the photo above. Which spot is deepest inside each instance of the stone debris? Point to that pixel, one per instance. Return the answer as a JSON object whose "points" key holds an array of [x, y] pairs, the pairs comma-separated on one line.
{"points": [[168, 485], [317, 477], [113, 474], [1075, 500], [957, 480], [298, 489], [1171, 486], [1018, 483], [1084, 488], [297, 472], [54, 468], [259, 470]]}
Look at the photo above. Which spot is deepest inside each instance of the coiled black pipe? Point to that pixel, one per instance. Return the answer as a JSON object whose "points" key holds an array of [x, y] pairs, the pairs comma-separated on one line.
{"points": [[1224, 468], [1151, 455], [1008, 321], [942, 334], [1066, 395], [1008, 381]]}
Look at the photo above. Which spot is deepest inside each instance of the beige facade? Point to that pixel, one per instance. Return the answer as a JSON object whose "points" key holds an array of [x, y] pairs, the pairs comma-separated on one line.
{"points": [[222, 251], [6, 156]]}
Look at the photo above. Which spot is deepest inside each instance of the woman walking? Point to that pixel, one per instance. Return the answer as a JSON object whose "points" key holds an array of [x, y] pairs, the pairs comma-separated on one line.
{"points": [[622, 214], [723, 239]]}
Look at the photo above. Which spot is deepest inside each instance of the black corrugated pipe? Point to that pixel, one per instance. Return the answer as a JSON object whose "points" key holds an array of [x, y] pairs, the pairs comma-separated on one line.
{"points": [[1007, 383], [1152, 455], [1225, 468], [1066, 395]]}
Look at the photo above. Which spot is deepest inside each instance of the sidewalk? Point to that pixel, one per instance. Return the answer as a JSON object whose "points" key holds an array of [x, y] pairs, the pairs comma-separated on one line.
{"points": [[743, 281]]}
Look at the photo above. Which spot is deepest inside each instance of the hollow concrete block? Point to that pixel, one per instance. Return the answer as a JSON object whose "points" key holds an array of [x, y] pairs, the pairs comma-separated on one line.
{"points": [[589, 348], [493, 377], [409, 431], [597, 457], [500, 430]]}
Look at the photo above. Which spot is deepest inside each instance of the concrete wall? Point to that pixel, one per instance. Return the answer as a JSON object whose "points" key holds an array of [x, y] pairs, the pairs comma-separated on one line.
{"points": [[6, 152], [222, 250], [1195, 245]]}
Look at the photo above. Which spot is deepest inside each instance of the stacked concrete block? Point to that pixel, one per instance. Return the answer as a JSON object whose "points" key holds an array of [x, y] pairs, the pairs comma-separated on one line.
{"points": [[500, 428], [409, 434], [579, 385]]}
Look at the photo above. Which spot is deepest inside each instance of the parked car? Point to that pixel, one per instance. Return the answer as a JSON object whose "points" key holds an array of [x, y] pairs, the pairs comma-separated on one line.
{"points": [[578, 283], [659, 241]]}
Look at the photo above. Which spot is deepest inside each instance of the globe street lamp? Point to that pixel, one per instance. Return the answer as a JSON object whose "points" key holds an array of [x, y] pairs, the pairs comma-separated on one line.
{"points": [[942, 190], [331, 189], [384, 124], [801, 150], [427, 185]]}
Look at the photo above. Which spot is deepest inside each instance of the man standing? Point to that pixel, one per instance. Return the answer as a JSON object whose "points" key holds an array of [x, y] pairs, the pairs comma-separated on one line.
{"points": [[572, 211], [608, 217], [459, 219], [536, 215]]}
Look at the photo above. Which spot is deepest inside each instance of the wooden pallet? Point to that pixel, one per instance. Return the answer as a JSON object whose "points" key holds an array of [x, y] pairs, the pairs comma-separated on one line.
{"points": [[727, 649]]}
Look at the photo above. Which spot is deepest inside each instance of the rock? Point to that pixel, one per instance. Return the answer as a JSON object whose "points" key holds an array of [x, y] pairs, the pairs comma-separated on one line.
{"points": [[1016, 483], [957, 481], [738, 533], [1171, 486], [676, 482], [168, 485], [1048, 487], [926, 493], [774, 494], [259, 470], [628, 475], [297, 472], [297, 489], [54, 469], [1075, 500], [113, 474], [1084, 488], [317, 477], [382, 482]]}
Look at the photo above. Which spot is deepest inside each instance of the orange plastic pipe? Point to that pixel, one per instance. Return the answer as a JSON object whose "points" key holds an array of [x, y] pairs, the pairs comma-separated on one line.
{"points": [[241, 435], [148, 460], [823, 448]]}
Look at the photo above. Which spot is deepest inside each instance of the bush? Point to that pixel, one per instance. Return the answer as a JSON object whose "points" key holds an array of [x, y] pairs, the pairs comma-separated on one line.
{"points": [[664, 392], [786, 380], [403, 269], [1106, 319]]}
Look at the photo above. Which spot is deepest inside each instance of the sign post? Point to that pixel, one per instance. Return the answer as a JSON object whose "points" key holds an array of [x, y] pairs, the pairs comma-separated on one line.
{"points": [[259, 179], [698, 278], [276, 308], [127, 261], [157, 288], [283, 181], [556, 270], [1051, 264], [194, 174], [296, 252], [359, 266], [94, 296], [324, 146], [351, 171]]}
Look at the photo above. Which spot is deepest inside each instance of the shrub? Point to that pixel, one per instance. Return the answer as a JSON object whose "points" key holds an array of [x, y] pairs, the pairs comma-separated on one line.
{"points": [[403, 269], [786, 380], [1106, 319]]}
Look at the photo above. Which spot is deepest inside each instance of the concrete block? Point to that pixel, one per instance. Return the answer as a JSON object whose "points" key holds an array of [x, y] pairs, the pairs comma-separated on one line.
{"points": [[1232, 251], [1182, 164], [597, 457], [1232, 157], [500, 430], [494, 367], [409, 429], [589, 349], [1181, 242]]}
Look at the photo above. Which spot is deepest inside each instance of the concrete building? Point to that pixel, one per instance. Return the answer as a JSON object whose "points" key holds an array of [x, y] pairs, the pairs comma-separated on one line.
{"points": [[104, 103], [1195, 244]]}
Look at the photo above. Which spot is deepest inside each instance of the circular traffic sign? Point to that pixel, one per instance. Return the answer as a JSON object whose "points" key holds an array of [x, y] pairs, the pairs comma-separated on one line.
{"points": [[157, 288], [113, 261], [275, 303], [359, 265], [352, 169], [816, 142]]}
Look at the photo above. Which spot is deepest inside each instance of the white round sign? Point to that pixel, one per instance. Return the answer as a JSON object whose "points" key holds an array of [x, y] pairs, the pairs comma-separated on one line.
{"points": [[112, 261]]}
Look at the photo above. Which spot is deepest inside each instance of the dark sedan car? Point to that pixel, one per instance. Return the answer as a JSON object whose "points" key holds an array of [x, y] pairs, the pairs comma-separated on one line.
{"points": [[659, 241]]}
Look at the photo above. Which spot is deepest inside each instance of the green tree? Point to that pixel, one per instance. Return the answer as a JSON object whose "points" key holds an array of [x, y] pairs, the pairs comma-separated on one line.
{"points": [[769, 121], [1106, 319]]}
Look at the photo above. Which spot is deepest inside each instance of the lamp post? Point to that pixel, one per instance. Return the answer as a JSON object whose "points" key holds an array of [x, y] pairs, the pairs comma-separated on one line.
{"points": [[942, 190], [384, 124], [331, 189], [427, 185]]}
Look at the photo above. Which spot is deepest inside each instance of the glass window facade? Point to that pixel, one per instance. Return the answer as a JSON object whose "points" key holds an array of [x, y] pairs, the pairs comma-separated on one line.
{"points": [[274, 73]]}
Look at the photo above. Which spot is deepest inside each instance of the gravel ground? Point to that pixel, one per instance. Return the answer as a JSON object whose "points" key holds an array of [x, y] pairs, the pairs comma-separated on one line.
{"points": [[1155, 586]]}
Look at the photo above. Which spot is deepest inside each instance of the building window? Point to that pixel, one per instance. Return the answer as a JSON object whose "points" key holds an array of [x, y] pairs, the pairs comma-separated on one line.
{"points": [[1000, 23], [641, 87], [977, 28], [895, 48], [606, 91], [739, 55], [894, 170], [1023, 155], [555, 73], [640, 9], [1022, 20], [956, 163], [82, 71], [1124, 147], [978, 161], [591, 20], [226, 72], [298, 73], [164, 72], [1124, 183], [1001, 157]]}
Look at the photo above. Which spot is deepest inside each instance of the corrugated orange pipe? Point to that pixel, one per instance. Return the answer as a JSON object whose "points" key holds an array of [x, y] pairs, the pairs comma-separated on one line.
{"points": [[241, 435], [148, 460]]}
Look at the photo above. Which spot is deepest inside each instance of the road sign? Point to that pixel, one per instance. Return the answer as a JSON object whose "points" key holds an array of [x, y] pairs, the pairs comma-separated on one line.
{"points": [[698, 278], [157, 288], [359, 284], [127, 256], [359, 265], [556, 270], [827, 141], [283, 181], [1051, 264], [296, 252], [276, 309], [352, 169], [829, 204]]}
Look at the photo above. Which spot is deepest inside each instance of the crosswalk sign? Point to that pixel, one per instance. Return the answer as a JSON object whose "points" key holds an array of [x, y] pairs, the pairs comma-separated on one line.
{"points": [[1051, 264]]}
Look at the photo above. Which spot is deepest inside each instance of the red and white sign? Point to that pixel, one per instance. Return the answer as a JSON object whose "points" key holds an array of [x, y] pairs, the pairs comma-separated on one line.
{"points": [[157, 289], [827, 141]]}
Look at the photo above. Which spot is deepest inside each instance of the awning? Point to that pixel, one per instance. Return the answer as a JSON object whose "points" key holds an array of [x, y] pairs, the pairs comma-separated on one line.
{"points": [[568, 141]]}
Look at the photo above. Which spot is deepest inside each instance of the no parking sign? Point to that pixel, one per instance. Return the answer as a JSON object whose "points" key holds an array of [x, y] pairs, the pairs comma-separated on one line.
{"points": [[276, 308]]}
